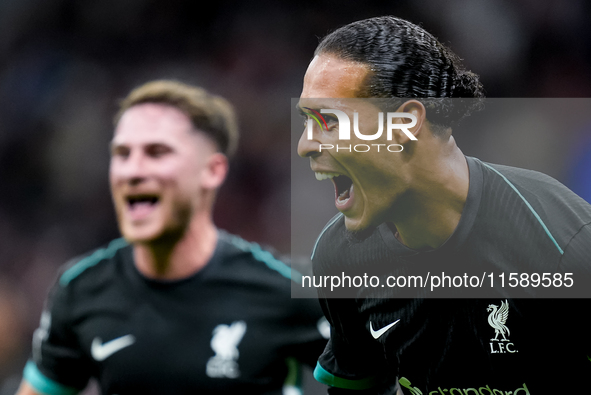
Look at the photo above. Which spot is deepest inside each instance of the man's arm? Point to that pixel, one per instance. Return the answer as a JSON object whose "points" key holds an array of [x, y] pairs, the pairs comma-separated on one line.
{"points": [[57, 365], [352, 362], [26, 389]]}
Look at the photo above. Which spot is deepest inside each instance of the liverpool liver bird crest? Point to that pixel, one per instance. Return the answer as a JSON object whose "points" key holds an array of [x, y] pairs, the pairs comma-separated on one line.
{"points": [[225, 342], [226, 338], [497, 319]]}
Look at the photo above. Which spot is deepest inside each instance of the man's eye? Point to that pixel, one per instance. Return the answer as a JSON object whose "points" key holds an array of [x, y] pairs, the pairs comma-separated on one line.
{"points": [[120, 152], [330, 120], [158, 151]]}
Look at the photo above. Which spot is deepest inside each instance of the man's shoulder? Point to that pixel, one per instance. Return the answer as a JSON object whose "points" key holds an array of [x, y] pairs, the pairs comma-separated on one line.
{"points": [[250, 260], [331, 234], [79, 279], [527, 180], [538, 191], [518, 174], [92, 264], [338, 248], [531, 211]]}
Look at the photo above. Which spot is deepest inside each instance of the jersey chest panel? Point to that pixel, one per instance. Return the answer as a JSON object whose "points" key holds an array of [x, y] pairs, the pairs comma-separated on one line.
{"points": [[213, 340]]}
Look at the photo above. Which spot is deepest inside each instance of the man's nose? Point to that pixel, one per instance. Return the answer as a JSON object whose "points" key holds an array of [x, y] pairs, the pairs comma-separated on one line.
{"points": [[134, 170], [308, 148]]}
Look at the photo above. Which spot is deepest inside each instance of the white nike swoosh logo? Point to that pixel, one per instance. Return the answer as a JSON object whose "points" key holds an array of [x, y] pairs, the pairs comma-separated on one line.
{"points": [[380, 332], [101, 351]]}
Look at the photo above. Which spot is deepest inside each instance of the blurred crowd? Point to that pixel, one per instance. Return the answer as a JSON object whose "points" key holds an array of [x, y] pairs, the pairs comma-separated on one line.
{"points": [[64, 64]]}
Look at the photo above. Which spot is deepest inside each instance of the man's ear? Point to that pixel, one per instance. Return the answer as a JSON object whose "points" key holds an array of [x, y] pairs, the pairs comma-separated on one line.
{"points": [[417, 109], [215, 171]]}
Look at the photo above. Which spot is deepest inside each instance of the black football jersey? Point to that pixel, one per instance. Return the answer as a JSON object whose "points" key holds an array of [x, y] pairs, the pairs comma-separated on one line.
{"points": [[513, 220], [230, 328]]}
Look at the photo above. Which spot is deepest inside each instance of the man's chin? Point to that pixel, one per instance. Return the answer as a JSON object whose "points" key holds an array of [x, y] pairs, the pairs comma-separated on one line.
{"points": [[152, 234], [139, 239], [357, 229], [141, 235]]}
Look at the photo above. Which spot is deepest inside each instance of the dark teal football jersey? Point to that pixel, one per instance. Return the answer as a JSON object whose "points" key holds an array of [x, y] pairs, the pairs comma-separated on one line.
{"points": [[230, 328], [514, 220]]}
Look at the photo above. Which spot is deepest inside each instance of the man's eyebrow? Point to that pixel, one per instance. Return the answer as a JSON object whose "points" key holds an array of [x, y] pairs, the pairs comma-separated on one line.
{"points": [[300, 110], [305, 111], [114, 144]]}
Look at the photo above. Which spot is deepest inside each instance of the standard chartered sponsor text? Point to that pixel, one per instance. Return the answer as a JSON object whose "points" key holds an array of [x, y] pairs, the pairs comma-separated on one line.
{"points": [[435, 281]]}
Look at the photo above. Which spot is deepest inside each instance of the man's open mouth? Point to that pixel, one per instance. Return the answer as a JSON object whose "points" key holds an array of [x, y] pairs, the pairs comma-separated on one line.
{"points": [[343, 187], [141, 205]]}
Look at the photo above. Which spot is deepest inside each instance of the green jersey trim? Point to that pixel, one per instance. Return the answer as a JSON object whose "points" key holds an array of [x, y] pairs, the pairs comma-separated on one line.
{"points": [[89, 261], [321, 375], [43, 384], [330, 223], [530, 208], [293, 382], [267, 258]]}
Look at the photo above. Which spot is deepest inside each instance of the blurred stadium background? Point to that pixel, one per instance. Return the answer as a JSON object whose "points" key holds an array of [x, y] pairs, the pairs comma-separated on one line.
{"points": [[64, 64]]}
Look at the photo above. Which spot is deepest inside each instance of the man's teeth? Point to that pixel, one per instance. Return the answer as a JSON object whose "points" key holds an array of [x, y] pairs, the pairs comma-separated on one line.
{"points": [[324, 176]]}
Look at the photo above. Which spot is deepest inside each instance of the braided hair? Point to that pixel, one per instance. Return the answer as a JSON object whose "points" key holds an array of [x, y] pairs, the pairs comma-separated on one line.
{"points": [[408, 62]]}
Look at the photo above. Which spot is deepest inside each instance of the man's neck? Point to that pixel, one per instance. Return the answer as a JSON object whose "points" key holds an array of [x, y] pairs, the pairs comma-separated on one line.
{"points": [[429, 214], [177, 258]]}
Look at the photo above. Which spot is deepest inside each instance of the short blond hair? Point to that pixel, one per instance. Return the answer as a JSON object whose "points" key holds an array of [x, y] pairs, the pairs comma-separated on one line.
{"points": [[210, 114]]}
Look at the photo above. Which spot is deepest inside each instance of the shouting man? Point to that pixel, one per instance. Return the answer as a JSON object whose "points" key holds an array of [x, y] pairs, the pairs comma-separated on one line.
{"points": [[176, 306], [423, 205]]}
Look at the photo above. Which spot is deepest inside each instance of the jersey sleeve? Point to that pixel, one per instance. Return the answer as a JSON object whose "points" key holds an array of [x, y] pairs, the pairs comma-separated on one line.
{"points": [[351, 360], [308, 331], [57, 365], [576, 260], [577, 252]]}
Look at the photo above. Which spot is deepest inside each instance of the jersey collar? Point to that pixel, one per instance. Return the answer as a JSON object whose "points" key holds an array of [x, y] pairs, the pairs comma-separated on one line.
{"points": [[462, 231]]}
